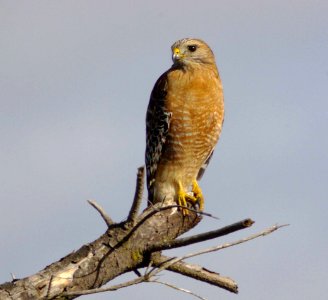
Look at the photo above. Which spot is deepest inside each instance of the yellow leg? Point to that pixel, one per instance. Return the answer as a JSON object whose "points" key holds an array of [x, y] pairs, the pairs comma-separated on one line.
{"points": [[198, 194], [184, 197]]}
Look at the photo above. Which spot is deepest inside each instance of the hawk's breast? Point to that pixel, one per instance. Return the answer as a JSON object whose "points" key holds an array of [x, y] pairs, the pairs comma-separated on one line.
{"points": [[195, 100]]}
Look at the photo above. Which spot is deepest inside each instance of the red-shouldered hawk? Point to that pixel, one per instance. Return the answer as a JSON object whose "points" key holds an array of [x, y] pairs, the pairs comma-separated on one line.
{"points": [[183, 124]]}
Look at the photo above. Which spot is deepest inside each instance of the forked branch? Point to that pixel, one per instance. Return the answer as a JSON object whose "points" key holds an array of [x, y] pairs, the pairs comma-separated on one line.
{"points": [[125, 247]]}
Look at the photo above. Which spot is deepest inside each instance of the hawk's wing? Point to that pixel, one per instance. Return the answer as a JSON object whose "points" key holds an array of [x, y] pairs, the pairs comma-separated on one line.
{"points": [[157, 128], [204, 166]]}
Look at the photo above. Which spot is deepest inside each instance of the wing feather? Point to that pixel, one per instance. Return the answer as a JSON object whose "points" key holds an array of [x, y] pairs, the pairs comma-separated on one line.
{"points": [[204, 166], [157, 128]]}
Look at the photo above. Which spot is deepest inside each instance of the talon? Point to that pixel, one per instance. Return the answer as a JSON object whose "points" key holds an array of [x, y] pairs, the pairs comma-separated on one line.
{"points": [[184, 198], [198, 194]]}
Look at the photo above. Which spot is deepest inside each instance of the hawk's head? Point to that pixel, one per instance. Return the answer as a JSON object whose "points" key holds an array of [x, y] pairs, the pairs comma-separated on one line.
{"points": [[191, 51]]}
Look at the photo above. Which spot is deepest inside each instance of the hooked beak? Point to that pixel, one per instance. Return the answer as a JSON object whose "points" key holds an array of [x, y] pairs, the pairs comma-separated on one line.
{"points": [[176, 55]]}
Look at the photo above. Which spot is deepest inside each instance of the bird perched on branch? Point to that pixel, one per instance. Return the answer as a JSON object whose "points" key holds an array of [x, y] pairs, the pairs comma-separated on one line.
{"points": [[183, 124]]}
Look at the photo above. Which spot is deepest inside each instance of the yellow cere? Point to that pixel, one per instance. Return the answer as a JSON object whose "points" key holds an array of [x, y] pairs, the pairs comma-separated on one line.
{"points": [[176, 50]]}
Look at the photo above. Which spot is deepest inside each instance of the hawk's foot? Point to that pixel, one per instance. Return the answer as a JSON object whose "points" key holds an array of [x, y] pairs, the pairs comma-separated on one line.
{"points": [[184, 198], [198, 195]]}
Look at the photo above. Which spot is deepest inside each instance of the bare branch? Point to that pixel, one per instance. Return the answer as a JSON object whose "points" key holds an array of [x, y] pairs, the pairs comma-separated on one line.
{"points": [[170, 262], [181, 242], [189, 209], [137, 196], [197, 272], [227, 245], [126, 247], [107, 289], [178, 288], [102, 212]]}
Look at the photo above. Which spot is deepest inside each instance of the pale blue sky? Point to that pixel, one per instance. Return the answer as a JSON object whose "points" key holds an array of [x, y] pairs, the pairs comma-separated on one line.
{"points": [[75, 78]]}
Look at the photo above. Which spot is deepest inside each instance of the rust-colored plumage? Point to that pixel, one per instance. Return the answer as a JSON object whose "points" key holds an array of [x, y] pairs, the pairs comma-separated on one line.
{"points": [[183, 124]]}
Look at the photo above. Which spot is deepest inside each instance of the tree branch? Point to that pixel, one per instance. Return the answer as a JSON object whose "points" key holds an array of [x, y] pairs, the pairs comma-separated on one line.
{"points": [[101, 211], [125, 247], [181, 242], [160, 263], [196, 272], [178, 288]]}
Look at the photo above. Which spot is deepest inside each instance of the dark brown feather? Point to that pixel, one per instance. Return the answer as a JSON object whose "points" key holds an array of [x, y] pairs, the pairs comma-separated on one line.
{"points": [[157, 127]]}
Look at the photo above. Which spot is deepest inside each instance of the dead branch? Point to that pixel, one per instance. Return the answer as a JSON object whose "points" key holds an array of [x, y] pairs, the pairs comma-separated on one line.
{"points": [[102, 213], [176, 264], [181, 242], [178, 288], [125, 247], [196, 272]]}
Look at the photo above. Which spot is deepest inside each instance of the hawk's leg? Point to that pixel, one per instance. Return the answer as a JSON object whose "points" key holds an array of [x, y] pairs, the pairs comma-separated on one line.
{"points": [[185, 197], [198, 195]]}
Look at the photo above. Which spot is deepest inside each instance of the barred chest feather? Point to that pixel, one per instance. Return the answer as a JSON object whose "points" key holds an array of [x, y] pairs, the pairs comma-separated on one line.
{"points": [[197, 116]]}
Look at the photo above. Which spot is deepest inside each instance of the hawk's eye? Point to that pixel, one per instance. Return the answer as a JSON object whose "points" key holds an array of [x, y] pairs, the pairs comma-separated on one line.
{"points": [[192, 48]]}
